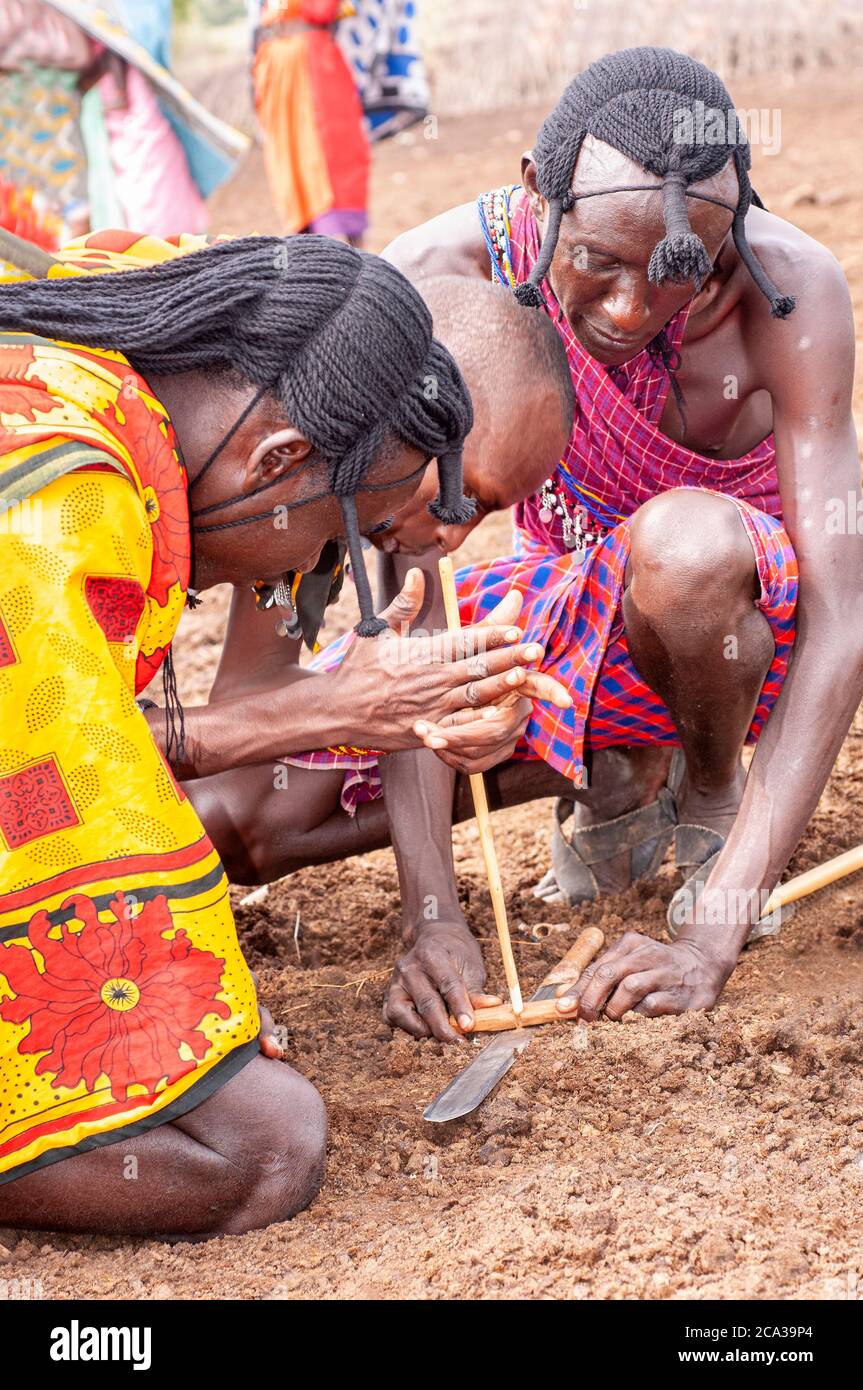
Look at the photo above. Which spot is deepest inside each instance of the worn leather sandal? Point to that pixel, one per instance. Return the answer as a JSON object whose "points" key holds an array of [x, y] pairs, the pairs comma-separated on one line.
{"points": [[581, 866], [688, 895]]}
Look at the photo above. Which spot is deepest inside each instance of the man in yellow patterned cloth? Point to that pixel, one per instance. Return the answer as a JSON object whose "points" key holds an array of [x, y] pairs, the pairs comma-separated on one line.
{"points": [[155, 426]]}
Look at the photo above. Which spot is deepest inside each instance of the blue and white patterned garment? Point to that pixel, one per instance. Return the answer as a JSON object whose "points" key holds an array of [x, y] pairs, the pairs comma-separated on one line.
{"points": [[381, 46]]}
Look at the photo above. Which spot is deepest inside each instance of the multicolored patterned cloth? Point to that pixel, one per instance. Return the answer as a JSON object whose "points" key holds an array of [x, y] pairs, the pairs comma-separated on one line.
{"points": [[315, 146], [617, 458], [572, 607], [124, 996], [43, 167], [381, 44]]}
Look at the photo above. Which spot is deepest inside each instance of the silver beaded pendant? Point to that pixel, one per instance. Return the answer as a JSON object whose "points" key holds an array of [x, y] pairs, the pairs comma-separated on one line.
{"points": [[575, 536], [288, 624]]}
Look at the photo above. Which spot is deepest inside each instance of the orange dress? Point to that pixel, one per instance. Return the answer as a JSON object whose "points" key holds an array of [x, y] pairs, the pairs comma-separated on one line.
{"points": [[315, 146]]}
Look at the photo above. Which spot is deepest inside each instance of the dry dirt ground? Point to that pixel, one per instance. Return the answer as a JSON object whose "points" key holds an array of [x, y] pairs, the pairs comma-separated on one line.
{"points": [[715, 1154]]}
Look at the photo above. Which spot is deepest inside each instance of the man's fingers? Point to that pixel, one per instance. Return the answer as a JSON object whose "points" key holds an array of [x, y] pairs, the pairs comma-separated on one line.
{"points": [[428, 1004], [537, 685], [407, 603], [476, 735], [476, 667], [659, 1003], [454, 991], [471, 642], [597, 983], [623, 947], [631, 968], [267, 1038], [491, 676], [399, 1011], [632, 990], [506, 612], [456, 719], [484, 1001], [507, 712]]}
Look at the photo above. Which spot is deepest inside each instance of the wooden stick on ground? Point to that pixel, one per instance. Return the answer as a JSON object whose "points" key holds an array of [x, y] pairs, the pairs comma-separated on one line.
{"points": [[823, 874], [483, 818], [498, 1018]]}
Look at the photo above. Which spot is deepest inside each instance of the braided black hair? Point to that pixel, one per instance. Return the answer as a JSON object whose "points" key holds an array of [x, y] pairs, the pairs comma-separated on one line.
{"points": [[636, 101], [340, 337]]}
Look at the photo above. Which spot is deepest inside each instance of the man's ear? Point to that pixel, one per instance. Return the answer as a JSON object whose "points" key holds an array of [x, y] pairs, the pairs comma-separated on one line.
{"points": [[274, 456], [713, 284], [528, 178]]}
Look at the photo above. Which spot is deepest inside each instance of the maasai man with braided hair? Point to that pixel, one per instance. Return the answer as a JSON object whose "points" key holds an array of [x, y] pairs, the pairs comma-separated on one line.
{"points": [[157, 427], [711, 351], [323, 805]]}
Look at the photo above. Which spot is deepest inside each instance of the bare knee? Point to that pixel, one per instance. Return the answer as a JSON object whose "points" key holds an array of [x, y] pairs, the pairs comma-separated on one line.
{"points": [[280, 1171], [690, 552]]}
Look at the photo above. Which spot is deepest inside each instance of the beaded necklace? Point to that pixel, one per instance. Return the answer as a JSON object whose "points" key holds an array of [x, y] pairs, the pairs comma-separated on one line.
{"points": [[588, 521]]}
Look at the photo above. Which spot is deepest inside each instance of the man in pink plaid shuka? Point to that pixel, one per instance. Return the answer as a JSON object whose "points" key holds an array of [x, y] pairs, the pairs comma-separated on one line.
{"points": [[681, 567]]}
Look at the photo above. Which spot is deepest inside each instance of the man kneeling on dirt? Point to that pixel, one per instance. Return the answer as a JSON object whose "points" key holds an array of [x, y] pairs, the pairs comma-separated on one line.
{"points": [[660, 561], [162, 404]]}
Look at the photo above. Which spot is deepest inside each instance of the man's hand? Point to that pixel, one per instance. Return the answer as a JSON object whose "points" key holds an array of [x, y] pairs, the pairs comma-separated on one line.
{"points": [[648, 977], [385, 687], [269, 1043], [441, 974], [475, 740]]}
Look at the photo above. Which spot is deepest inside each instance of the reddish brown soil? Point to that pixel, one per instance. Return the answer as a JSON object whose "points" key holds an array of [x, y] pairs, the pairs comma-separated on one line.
{"points": [[709, 1155]]}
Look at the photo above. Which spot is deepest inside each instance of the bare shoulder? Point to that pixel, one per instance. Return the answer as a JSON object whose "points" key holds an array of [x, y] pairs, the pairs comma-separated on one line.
{"points": [[800, 266], [449, 244]]}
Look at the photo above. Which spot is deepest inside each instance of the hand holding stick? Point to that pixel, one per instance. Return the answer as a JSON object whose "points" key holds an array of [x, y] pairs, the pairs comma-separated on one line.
{"points": [[542, 1008]]}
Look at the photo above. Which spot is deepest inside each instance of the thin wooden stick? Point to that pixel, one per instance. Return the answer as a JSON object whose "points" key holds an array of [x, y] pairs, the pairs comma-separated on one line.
{"points": [[809, 882], [483, 819]]}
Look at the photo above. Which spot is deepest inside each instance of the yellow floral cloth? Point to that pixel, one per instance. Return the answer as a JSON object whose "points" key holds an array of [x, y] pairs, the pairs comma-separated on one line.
{"points": [[124, 996]]}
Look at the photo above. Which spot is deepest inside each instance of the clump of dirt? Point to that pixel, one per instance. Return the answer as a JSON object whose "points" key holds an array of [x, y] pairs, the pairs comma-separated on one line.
{"points": [[712, 1155]]}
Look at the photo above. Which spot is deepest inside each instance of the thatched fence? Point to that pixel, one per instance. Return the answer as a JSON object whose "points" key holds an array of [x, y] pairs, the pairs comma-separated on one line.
{"points": [[487, 54], [483, 54]]}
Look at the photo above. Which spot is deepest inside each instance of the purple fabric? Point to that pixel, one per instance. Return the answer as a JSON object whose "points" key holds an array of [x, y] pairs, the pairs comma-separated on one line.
{"points": [[346, 222]]}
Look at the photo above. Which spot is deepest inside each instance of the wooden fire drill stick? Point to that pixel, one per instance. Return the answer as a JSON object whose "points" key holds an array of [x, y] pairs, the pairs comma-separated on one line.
{"points": [[820, 877], [483, 819]]}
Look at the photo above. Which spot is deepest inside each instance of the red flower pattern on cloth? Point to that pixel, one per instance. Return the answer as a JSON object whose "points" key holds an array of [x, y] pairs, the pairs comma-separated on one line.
{"points": [[132, 426], [116, 998], [166, 498], [147, 667], [22, 395]]}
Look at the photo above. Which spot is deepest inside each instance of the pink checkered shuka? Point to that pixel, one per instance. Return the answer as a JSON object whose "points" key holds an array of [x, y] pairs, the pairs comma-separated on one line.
{"points": [[617, 459]]}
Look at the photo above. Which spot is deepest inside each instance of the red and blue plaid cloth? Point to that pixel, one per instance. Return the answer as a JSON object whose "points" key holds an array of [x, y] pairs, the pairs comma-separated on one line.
{"points": [[617, 458]]}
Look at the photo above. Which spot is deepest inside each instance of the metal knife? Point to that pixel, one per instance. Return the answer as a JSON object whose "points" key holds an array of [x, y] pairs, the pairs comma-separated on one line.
{"points": [[478, 1079]]}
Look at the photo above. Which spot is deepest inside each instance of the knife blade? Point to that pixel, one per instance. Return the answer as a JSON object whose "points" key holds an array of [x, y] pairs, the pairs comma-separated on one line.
{"points": [[478, 1079]]}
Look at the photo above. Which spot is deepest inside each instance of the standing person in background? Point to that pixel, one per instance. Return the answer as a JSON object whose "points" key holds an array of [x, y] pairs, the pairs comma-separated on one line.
{"points": [[154, 152], [315, 146], [381, 44], [45, 63], [143, 177]]}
